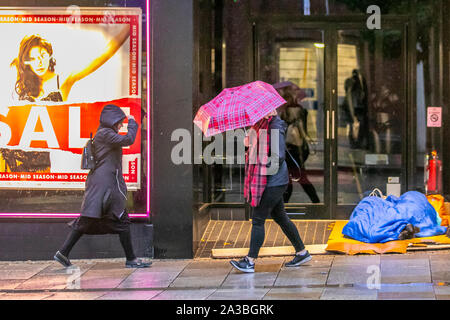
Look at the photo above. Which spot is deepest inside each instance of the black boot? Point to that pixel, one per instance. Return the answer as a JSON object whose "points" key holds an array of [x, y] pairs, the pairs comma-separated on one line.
{"points": [[62, 259]]}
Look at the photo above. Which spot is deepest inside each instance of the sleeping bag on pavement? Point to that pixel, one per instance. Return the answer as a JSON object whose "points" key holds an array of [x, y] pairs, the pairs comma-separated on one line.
{"points": [[378, 220]]}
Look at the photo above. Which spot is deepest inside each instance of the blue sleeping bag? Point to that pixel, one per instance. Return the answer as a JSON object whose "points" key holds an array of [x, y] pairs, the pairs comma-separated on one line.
{"points": [[378, 220]]}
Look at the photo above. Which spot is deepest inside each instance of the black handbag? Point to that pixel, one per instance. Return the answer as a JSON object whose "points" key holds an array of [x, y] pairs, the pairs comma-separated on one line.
{"points": [[87, 157], [88, 160]]}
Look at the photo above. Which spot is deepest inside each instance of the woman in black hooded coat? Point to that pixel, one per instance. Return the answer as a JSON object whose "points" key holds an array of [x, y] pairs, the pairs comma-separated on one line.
{"points": [[103, 207]]}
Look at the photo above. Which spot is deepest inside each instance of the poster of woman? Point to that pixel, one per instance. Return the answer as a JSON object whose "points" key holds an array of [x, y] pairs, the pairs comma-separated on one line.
{"points": [[59, 69]]}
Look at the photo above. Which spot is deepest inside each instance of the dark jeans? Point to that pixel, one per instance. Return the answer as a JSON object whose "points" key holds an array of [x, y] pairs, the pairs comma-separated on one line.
{"points": [[272, 203]]}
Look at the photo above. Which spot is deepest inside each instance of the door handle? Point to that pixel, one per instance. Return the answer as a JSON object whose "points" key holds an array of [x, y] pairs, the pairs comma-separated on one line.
{"points": [[332, 124], [328, 124]]}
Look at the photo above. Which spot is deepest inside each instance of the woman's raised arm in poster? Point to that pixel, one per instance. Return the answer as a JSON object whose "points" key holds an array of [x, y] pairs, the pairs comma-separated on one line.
{"points": [[111, 49]]}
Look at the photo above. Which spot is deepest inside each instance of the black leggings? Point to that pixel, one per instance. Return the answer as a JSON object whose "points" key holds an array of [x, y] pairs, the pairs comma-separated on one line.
{"points": [[272, 203], [124, 236]]}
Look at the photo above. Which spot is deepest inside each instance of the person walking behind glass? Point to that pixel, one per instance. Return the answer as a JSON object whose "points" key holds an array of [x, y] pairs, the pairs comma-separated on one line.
{"points": [[297, 145], [266, 194], [103, 207]]}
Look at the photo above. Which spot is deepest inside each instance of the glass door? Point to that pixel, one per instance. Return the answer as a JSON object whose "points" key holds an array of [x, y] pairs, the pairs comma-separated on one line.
{"points": [[292, 58], [347, 88], [370, 108]]}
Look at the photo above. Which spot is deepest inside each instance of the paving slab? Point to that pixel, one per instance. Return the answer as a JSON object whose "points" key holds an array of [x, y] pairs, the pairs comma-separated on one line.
{"points": [[168, 265], [269, 264], [303, 293], [160, 275], [266, 272], [302, 276], [405, 269], [145, 278], [241, 280], [353, 269], [321, 261], [411, 291], [56, 277], [366, 260], [198, 282], [351, 274], [25, 296], [190, 294], [239, 294], [129, 295], [75, 295], [10, 284], [20, 270], [440, 267], [105, 275], [442, 292], [349, 293], [206, 268], [417, 259]]}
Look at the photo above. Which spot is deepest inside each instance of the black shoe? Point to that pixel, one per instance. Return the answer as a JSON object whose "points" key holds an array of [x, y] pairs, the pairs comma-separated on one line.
{"points": [[243, 265], [138, 263], [299, 260], [62, 259]]}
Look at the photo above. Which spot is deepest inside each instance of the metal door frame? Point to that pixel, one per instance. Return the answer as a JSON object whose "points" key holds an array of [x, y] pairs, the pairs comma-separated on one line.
{"points": [[329, 208]]}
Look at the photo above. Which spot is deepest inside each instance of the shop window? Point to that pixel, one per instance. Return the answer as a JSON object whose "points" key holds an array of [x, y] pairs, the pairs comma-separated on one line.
{"points": [[43, 134]]}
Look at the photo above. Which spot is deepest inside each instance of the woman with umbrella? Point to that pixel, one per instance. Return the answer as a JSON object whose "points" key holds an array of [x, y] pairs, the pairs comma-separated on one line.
{"points": [[267, 199], [255, 105]]}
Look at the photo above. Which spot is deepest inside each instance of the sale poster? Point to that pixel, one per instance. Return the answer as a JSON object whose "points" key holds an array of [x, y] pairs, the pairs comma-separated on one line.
{"points": [[59, 68]]}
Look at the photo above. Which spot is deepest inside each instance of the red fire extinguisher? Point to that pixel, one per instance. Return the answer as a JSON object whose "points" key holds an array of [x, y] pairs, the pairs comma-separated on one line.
{"points": [[433, 174]]}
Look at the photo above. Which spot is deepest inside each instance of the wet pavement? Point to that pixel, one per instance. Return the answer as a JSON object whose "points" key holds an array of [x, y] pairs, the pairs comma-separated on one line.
{"points": [[419, 276]]}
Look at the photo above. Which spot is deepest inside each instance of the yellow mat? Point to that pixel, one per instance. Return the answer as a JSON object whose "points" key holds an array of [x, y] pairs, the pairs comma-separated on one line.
{"points": [[337, 243]]}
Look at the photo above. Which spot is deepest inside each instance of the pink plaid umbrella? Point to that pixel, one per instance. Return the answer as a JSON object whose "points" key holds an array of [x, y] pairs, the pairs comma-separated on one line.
{"points": [[237, 107]]}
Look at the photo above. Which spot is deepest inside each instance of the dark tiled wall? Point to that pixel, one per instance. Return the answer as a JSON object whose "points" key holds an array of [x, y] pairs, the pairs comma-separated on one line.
{"points": [[238, 40], [20, 241], [172, 195]]}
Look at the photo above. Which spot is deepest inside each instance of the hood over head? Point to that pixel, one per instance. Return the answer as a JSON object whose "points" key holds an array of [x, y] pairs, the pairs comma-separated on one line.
{"points": [[111, 114]]}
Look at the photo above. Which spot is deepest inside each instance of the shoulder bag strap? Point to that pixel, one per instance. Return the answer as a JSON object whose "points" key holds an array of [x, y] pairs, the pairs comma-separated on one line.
{"points": [[292, 158]]}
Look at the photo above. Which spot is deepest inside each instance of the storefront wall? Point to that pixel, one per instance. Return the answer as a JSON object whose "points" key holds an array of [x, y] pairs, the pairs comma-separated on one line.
{"points": [[175, 224], [403, 63], [200, 47], [42, 227]]}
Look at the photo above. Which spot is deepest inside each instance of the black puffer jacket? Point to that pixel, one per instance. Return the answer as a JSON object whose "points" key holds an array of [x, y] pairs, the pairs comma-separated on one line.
{"points": [[106, 191]]}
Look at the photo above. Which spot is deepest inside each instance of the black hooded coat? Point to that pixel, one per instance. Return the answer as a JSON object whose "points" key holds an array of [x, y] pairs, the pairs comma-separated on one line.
{"points": [[106, 191]]}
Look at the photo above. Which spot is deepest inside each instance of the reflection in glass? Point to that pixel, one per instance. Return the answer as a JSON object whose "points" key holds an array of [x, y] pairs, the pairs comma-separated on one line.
{"points": [[299, 79], [370, 100]]}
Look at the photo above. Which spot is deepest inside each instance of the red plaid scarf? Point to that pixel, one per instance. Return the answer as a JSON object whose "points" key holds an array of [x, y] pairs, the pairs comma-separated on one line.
{"points": [[255, 170]]}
